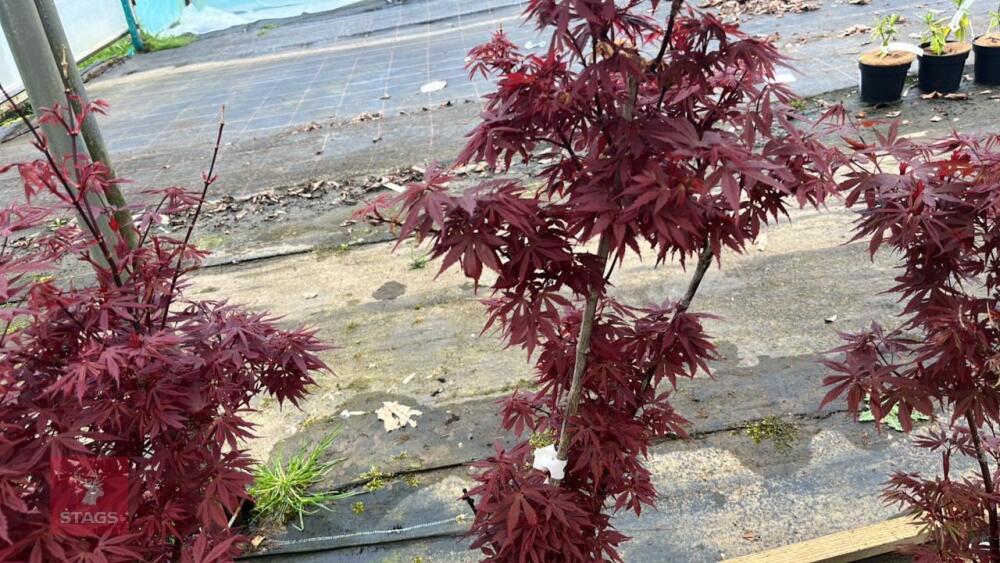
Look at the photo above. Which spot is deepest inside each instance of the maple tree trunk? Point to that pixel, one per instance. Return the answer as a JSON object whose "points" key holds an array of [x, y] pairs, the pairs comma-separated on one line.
{"points": [[984, 468], [587, 323], [580, 362]]}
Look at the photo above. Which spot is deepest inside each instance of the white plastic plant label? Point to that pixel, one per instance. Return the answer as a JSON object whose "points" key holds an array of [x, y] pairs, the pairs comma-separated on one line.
{"points": [[546, 460], [908, 47], [963, 9]]}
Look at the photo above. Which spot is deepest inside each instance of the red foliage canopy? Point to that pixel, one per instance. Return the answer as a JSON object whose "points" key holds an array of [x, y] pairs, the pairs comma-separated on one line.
{"points": [[675, 139], [118, 363], [935, 205]]}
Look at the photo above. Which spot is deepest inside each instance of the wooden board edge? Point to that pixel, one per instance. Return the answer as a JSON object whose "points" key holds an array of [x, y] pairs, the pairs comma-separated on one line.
{"points": [[845, 547]]}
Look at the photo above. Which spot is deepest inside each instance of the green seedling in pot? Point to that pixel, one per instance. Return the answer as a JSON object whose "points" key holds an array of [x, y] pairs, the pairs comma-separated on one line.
{"points": [[937, 33], [885, 31], [994, 22], [964, 30]]}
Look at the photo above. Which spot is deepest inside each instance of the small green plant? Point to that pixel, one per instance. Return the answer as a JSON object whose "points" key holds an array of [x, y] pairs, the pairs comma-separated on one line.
{"points": [[937, 33], [376, 479], [773, 429], [265, 29], [351, 327], [419, 262], [117, 50], [994, 21], [892, 419], [885, 31], [153, 43], [123, 47], [964, 23], [358, 508], [281, 490], [798, 104]]}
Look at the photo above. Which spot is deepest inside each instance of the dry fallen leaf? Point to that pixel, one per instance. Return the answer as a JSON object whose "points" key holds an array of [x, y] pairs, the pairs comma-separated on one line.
{"points": [[750, 536], [856, 29], [935, 119], [394, 415], [257, 541], [831, 319]]}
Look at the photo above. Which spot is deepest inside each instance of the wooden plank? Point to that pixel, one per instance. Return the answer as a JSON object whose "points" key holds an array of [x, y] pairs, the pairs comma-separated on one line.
{"points": [[844, 547]]}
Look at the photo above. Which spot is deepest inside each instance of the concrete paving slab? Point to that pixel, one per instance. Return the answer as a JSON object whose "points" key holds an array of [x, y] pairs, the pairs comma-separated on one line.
{"points": [[417, 342]]}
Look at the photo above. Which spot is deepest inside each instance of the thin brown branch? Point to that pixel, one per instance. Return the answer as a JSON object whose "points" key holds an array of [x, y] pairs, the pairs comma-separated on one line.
{"points": [[209, 179], [984, 469], [675, 8], [106, 248], [704, 261], [145, 232]]}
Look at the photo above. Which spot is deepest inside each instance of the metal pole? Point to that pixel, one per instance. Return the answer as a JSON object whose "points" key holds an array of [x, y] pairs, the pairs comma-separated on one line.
{"points": [[133, 29], [73, 82], [33, 57]]}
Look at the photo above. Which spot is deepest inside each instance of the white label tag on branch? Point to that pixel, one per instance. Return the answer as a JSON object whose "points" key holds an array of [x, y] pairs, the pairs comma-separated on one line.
{"points": [[546, 460], [907, 47]]}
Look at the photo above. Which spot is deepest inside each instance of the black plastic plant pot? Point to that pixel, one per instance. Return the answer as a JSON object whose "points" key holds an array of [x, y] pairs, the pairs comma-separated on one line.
{"points": [[882, 84], [941, 73], [987, 61]]}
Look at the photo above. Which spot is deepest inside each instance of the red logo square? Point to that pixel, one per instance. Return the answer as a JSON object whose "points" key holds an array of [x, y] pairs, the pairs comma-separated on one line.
{"points": [[89, 495]]}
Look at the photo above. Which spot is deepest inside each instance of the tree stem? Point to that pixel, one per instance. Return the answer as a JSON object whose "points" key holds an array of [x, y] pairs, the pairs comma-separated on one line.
{"points": [[704, 261], [984, 469], [580, 362]]}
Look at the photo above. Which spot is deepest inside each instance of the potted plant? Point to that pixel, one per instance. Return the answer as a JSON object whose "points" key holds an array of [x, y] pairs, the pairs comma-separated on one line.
{"points": [[943, 61], [883, 71], [987, 49]]}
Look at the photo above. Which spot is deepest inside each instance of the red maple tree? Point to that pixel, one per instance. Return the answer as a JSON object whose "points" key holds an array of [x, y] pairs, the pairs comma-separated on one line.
{"points": [[676, 138], [115, 363], [935, 206]]}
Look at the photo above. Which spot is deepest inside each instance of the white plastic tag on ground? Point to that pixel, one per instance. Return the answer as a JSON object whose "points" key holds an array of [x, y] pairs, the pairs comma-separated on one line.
{"points": [[433, 86]]}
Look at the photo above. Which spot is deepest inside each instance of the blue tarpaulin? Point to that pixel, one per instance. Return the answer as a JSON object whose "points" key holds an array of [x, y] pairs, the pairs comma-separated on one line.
{"points": [[157, 15]]}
